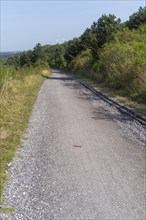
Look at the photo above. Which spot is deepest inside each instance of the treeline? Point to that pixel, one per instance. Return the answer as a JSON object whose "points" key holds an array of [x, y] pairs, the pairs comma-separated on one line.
{"points": [[109, 52], [28, 58], [22, 64]]}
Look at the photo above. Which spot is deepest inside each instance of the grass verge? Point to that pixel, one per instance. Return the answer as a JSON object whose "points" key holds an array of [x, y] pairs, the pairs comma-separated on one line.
{"points": [[117, 95], [17, 97]]}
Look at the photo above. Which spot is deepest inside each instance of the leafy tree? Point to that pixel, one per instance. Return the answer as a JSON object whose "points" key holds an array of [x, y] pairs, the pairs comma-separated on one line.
{"points": [[100, 32], [59, 59], [25, 58], [14, 61], [73, 48], [136, 19], [106, 27], [82, 62], [89, 40], [38, 54], [50, 51]]}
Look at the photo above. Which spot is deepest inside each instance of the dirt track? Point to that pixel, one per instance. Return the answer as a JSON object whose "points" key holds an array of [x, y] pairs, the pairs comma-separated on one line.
{"points": [[77, 161]]}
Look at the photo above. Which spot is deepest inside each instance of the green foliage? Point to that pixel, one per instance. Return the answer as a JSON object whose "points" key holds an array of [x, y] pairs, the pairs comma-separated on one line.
{"points": [[136, 19], [109, 52], [100, 32], [38, 54], [73, 48], [122, 64], [82, 62], [106, 27], [14, 60], [9, 72], [50, 50], [18, 93], [25, 58], [20, 80], [28, 58], [59, 58], [89, 40]]}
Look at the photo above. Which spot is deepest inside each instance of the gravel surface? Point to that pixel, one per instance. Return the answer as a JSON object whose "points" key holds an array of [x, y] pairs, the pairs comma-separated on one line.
{"points": [[82, 159]]}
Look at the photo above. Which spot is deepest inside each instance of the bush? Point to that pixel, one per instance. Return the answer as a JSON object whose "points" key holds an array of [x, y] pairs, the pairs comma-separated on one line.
{"points": [[10, 72], [82, 62], [122, 64]]}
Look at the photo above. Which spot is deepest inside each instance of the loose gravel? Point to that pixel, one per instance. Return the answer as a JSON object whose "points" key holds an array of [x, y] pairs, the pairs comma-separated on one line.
{"points": [[81, 159]]}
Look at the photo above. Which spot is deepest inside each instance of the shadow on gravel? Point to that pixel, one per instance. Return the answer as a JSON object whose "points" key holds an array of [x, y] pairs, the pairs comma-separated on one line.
{"points": [[82, 94], [59, 78], [101, 113], [73, 85], [88, 97]]}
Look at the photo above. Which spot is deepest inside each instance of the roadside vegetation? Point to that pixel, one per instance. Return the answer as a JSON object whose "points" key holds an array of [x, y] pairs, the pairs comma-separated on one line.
{"points": [[20, 79], [110, 53]]}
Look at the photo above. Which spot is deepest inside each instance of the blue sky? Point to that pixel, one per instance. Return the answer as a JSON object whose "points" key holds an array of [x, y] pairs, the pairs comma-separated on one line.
{"points": [[25, 23]]}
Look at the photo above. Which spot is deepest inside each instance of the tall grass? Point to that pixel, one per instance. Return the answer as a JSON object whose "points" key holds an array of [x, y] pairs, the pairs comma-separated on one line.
{"points": [[18, 92]]}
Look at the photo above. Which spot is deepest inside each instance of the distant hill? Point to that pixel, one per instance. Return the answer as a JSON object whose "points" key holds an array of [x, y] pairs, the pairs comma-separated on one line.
{"points": [[9, 54]]}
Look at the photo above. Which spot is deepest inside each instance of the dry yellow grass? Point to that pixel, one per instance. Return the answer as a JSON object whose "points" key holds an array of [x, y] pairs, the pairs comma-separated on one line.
{"points": [[16, 100]]}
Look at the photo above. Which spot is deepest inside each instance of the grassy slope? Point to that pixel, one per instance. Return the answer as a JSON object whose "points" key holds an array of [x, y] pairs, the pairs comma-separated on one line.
{"points": [[17, 98]]}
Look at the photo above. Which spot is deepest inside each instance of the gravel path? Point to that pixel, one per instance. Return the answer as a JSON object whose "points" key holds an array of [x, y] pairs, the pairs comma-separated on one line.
{"points": [[81, 159]]}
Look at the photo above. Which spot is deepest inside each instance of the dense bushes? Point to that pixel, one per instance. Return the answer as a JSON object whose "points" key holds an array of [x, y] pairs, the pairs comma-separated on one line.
{"points": [[110, 52], [82, 62], [122, 64]]}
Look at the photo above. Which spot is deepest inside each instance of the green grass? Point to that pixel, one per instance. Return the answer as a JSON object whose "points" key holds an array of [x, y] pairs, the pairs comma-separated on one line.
{"points": [[18, 93], [7, 209]]}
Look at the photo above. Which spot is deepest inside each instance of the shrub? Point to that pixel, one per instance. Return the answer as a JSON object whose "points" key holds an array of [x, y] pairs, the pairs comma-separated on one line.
{"points": [[82, 62], [122, 64]]}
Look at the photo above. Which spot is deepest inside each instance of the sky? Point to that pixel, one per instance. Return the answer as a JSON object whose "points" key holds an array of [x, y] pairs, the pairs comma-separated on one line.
{"points": [[24, 23]]}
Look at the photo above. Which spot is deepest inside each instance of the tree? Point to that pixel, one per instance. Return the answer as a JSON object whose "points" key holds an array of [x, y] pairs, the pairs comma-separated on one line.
{"points": [[38, 54], [25, 58], [136, 19], [59, 59], [73, 48], [106, 27], [14, 61], [89, 39], [100, 32]]}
